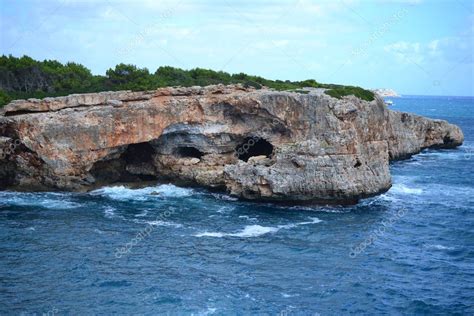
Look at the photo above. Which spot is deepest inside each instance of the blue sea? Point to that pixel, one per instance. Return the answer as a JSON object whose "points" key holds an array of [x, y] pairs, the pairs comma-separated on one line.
{"points": [[168, 250]]}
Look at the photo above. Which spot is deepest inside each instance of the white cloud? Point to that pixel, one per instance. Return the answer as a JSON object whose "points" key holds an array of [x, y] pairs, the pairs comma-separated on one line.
{"points": [[406, 52], [457, 49]]}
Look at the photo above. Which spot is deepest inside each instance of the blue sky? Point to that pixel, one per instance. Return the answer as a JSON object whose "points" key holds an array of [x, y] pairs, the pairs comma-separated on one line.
{"points": [[414, 46]]}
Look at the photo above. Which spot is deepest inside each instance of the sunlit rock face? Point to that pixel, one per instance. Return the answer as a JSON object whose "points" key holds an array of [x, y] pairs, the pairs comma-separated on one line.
{"points": [[256, 144]]}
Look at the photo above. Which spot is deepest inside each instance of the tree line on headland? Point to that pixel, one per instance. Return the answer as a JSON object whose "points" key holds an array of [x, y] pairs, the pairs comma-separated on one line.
{"points": [[24, 77]]}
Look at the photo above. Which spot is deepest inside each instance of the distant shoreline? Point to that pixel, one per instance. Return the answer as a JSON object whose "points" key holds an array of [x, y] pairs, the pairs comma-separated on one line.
{"points": [[386, 93]]}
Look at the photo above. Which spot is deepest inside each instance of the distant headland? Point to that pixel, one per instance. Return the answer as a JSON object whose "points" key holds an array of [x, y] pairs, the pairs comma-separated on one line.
{"points": [[386, 93]]}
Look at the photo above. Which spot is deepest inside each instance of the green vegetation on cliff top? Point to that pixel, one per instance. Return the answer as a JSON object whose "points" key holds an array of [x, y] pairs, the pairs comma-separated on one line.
{"points": [[24, 77], [339, 92]]}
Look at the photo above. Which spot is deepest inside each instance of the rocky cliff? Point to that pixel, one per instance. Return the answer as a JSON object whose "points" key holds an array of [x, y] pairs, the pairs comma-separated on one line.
{"points": [[256, 144], [386, 93]]}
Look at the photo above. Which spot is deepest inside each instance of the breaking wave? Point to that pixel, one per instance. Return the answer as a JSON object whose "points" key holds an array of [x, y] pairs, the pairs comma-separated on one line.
{"points": [[122, 193], [257, 230], [158, 223], [57, 201], [404, 189]]}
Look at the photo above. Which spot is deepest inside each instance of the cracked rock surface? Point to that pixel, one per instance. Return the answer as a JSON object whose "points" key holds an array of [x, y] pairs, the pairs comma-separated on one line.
{"points": [[256, 144]]}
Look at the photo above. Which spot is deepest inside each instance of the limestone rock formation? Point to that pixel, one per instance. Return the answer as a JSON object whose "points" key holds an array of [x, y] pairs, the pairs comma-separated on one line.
{"points": [[386, 93], [256, 144]]}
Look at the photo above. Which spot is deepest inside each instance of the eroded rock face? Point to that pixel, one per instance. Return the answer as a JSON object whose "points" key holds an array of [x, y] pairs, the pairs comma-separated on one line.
{"points": [[256, 144]]}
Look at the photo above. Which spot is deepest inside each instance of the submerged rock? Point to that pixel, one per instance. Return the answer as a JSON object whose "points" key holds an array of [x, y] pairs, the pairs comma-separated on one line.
{"points": [[256, 144]]}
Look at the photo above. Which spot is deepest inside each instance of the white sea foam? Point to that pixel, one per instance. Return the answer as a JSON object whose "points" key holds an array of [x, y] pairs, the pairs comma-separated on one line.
{"points": [[314, 220], [257, 230], [123, 193], [248, 218], [164, 223], [254, 231], [248, 231], [443, 193], [285, 295], [439, 247], [142, 214], [57, 204], [158, 223], [224, 197], [170, 190], [462, 153], [225, 209], [386, 197], [208, 311], [401, 188], [109, 212], [211, 234], [56, 201], [247, 295]]}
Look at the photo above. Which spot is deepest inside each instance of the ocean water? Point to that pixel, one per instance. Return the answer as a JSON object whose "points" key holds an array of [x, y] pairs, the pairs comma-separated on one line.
{"points": [[180, 251]]}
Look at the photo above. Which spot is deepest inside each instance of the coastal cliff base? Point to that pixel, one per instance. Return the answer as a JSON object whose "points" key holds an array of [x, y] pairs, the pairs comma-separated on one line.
{"points": [[255, 144]]}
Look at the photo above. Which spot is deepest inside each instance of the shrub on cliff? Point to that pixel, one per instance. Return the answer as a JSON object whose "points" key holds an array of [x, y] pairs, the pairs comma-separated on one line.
{"points": [[339, 92]]}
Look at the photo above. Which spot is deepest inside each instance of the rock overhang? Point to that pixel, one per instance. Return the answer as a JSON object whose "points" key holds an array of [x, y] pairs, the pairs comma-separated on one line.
{"points": [[323, 149]]}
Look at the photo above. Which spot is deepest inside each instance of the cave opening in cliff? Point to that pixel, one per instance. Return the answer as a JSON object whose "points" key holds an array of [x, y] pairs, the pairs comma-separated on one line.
{"points": [[135, 164], [138, 154], [254, 146], [139, 164], [189, 152]]}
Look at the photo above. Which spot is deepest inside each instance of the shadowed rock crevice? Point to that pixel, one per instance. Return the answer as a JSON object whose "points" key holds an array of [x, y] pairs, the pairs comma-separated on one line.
{"points": [[141, 153], [189, 152], [139, 161], [7, 174], [252, 147], [108, 171], [357, 164], [134, 164]]}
